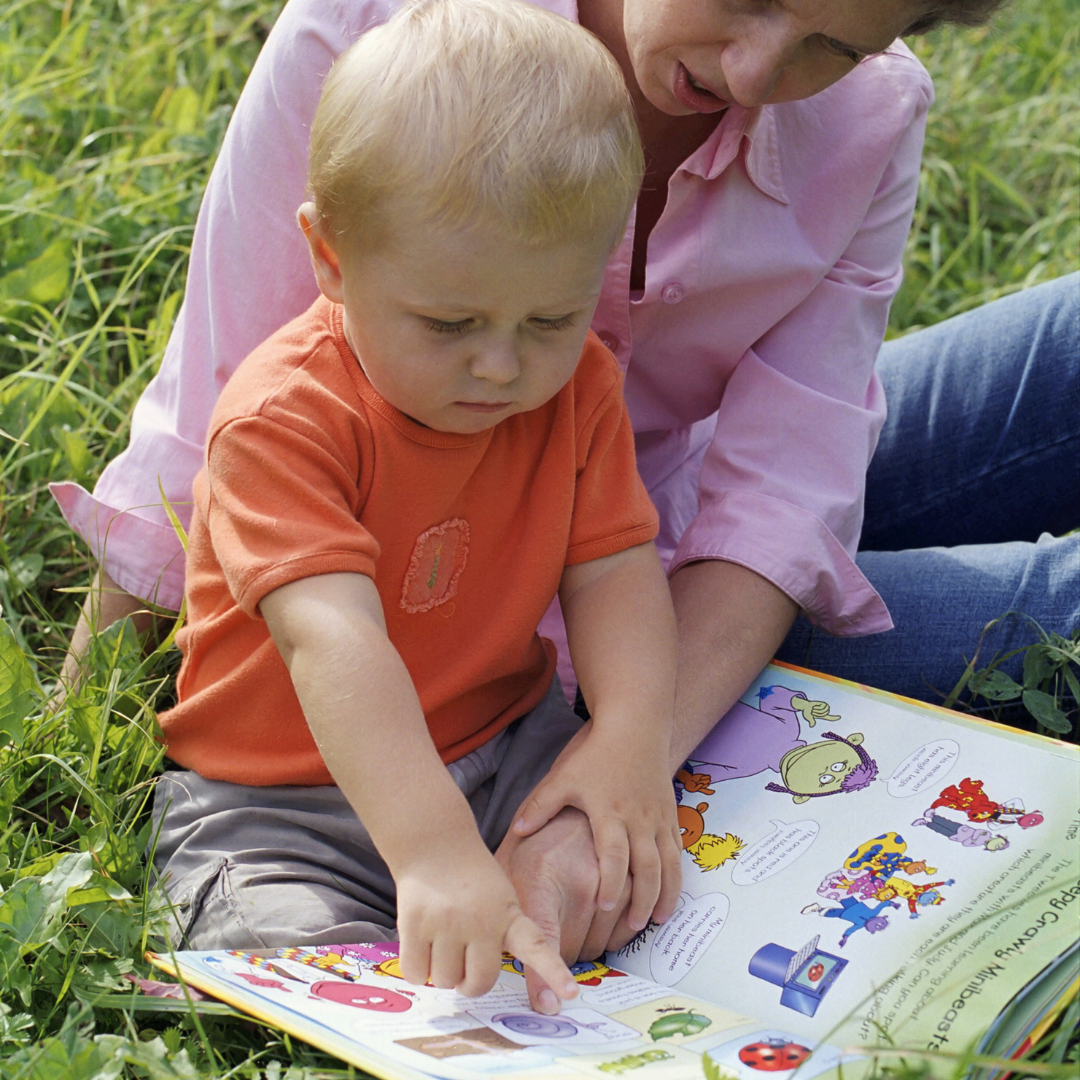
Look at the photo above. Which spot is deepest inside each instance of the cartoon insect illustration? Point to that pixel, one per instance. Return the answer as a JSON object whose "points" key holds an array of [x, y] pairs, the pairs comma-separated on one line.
{"points": [[773, 1055], [680, 1022]]}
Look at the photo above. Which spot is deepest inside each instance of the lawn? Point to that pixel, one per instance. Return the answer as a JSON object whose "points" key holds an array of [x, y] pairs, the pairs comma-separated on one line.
{"points": [[110, 115]]}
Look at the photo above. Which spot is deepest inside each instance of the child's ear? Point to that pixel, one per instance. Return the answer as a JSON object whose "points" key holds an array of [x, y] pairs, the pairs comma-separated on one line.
{"points": [[324, 260]]}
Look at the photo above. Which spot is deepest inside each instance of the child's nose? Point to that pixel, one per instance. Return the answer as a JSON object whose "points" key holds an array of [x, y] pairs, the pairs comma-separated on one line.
{"points": [[497, 362]]}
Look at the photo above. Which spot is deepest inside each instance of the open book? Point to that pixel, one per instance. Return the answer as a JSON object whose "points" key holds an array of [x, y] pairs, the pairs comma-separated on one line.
{"points": [[860, 871]]}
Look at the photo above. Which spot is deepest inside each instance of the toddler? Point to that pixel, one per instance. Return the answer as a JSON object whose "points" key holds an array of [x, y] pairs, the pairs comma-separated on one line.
{"points": [[397, 485]]}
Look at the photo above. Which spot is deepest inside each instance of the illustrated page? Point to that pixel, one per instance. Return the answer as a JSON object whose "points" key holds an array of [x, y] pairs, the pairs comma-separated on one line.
{"points": [[855, 864], [352, 1001]]}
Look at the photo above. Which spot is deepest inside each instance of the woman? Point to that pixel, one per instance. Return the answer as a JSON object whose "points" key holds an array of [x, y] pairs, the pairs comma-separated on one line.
{"points": [[746, 305]]}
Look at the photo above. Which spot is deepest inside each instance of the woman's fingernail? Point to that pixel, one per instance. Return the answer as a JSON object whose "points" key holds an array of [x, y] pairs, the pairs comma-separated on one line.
{"points": [[519, 825], [547, 1002]]}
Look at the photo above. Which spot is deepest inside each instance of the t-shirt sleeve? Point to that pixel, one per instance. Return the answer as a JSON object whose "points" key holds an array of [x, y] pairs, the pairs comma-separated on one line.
{"points": [[283, 505], [612, 509]]}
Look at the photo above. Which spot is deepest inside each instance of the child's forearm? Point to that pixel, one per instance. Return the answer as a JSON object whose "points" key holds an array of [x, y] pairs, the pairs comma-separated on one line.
{"points": [[362, 708], [620, 626]]}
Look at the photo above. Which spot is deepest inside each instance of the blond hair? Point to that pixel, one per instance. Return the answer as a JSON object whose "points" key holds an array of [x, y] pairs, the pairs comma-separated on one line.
{"points": [[477, 109], [712, 851]]}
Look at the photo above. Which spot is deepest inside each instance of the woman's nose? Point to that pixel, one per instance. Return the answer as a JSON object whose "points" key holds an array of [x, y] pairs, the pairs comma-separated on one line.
{"points": [[753, 64]]}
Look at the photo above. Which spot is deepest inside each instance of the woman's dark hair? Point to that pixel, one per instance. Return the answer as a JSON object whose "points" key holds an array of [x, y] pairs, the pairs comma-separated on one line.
{"points": [[959, 12]]}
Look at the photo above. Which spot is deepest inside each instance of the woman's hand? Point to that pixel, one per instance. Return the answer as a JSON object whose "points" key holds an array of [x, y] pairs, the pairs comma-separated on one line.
{"points": [[621, 785]]}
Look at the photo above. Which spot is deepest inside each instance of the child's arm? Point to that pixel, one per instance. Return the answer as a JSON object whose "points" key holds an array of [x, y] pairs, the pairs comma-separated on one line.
{"points": [[456, 908], [621, 630]]}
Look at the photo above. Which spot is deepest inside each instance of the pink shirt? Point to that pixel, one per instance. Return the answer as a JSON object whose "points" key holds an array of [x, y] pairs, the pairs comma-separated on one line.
{"points": [[749, 357]]}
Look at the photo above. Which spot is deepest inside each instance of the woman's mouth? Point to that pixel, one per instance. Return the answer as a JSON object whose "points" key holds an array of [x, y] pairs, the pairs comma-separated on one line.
{"points": [[691, 93]]}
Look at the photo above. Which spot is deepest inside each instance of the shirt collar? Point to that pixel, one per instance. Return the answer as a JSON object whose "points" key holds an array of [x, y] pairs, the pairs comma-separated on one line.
{"points": [[762, 159]]}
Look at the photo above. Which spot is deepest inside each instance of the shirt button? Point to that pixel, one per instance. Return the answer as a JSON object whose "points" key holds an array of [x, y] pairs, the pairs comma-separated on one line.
{"points": [[672, 293], [609, 340]]}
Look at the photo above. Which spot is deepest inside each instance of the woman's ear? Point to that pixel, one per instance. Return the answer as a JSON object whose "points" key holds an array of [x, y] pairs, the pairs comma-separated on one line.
{"points": [[324, 259]]}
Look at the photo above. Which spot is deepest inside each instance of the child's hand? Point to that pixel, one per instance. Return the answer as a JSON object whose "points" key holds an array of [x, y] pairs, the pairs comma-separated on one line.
{"points": [[457, 915], [630, 803]]}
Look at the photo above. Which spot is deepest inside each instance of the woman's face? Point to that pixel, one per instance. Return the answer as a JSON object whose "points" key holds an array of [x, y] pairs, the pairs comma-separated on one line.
{"points": [[698, 56]]}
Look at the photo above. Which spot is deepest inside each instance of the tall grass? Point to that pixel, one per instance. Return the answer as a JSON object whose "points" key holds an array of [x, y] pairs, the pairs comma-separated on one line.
{"points": [[110, 114]]}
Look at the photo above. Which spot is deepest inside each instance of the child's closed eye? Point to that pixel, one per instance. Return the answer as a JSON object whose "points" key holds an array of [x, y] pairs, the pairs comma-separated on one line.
{"points": [[439, 326], [563, 322]]}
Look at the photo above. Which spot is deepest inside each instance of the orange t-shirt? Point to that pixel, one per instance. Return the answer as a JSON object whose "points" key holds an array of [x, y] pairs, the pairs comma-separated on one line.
{"points": [[309, 471]]}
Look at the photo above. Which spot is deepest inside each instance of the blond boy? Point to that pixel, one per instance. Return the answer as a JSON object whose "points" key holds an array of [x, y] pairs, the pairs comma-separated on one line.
{"points": [[398, 484]]}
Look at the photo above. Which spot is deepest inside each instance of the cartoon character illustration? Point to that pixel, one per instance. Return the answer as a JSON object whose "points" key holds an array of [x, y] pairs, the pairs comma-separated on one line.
{"points": [[678, 1022], [749, 740], [969, 797], [359, 996], [885, 856], [961, 833], [805, 977], [773, 1055], [917, 896], [585, 972], [855, 912], [708, 850], [374, 953]]}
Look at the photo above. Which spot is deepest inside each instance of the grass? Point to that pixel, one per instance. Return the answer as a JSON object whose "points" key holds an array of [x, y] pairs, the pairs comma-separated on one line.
{"points": [[110, 115]]}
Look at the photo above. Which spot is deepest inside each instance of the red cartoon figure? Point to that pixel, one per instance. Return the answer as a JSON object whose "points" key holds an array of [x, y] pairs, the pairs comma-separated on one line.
{"points": [[969, 797], [359, 996]]}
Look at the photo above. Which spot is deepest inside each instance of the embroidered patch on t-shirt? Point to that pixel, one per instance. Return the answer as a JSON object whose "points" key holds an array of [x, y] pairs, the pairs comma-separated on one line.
{"points": [[436, 565]]}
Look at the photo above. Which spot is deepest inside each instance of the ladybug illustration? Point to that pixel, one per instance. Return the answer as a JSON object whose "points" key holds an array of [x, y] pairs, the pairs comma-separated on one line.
{"points": [[773, 1055]]}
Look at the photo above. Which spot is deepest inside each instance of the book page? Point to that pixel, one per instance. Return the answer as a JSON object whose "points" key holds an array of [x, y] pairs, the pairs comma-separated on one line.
{"points": [[859, 867], [352, 1001]]}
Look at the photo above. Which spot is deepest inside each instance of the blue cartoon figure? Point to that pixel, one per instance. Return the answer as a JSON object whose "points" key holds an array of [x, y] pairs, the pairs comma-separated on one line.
{"points": [[860, 915]]}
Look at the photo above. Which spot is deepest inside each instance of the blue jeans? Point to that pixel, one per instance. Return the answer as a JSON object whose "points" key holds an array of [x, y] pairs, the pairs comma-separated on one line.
{"points": [[977, 470]]}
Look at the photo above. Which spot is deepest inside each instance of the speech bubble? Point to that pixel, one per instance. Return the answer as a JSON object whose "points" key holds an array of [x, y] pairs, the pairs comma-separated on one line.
{"points": [[924, 768], [772, 853], [681, 942]]}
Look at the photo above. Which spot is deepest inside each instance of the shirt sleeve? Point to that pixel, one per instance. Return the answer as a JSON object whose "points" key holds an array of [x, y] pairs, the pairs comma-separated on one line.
{"points": [[282, 505], [782, 482], [612, 509], [248, 275]]}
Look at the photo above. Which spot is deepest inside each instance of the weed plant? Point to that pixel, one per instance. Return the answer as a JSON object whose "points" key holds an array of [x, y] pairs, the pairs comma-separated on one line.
{"points": [[110, 115]]}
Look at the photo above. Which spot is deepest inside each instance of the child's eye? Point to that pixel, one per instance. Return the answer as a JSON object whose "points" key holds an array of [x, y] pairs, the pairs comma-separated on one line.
{"points": [[441, 327], [837, 49], [561, 323]]}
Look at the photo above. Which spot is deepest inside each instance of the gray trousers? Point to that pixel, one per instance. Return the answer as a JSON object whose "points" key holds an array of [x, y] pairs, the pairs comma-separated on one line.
{"points": [[268, 867]]}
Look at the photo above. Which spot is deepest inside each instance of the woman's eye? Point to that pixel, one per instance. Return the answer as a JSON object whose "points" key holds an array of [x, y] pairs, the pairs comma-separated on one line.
{"points": [[838, 766], [440, 327], [837, 49], [826, 778], [561, 323]]}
